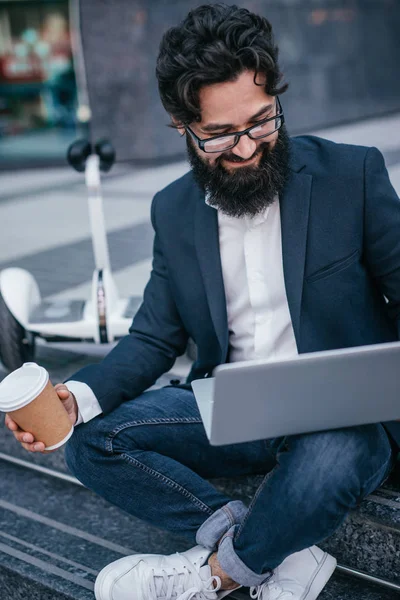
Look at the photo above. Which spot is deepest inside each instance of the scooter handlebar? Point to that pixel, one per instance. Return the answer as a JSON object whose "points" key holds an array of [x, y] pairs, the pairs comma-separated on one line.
{"points": [[79, 151]]}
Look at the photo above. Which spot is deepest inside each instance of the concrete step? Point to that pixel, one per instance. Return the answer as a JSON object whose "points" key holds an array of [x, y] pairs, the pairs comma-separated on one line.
{"points": [[369, 539], [344, 587], [55, 537]]}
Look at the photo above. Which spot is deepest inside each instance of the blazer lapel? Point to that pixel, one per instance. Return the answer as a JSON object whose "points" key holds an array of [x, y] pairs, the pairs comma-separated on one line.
{"points": [[207, 247], [294, 206]]}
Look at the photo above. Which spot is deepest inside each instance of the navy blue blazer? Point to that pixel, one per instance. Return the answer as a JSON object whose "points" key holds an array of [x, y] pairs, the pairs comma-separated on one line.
{"points": [[340, 219]]}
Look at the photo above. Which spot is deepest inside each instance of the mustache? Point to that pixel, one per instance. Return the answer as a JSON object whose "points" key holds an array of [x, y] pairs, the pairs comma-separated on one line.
{"points": [[238, 159]]}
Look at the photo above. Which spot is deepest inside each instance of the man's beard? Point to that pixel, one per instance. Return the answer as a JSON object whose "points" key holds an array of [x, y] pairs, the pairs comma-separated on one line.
{"points": [[245, 190]]}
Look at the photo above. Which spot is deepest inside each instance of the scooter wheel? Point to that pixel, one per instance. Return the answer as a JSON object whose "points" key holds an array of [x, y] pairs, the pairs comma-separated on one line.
{"points": [[17, 345]]}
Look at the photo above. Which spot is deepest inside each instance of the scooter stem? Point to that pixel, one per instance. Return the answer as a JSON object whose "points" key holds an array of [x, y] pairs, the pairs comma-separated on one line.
{"points": [[96, 214]]}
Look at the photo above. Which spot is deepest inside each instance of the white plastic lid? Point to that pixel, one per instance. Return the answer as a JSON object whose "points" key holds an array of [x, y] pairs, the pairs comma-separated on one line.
{"points": [[22, 386]]}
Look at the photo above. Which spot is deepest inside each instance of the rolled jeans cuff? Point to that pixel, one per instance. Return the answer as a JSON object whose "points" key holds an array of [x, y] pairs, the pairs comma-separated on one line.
{"points": [[234, 566], [212, 530]]}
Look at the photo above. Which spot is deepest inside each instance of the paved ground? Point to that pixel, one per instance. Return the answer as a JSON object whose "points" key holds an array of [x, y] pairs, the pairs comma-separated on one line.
{"points": [[44, 227]]}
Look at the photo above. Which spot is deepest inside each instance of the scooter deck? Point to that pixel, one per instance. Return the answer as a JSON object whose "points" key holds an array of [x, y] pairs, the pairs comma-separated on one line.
{"points": [[59, 311], [67, 319]]}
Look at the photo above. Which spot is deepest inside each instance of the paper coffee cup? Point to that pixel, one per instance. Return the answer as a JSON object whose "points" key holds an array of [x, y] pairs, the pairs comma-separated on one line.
{"points": [[28, 396]]}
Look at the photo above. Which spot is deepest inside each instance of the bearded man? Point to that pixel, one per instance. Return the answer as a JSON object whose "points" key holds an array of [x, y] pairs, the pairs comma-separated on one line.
{"points": [[269, 247]]}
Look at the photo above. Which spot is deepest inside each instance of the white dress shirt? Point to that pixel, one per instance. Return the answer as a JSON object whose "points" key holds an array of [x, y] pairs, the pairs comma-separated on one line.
{"points": [[259, 321]]}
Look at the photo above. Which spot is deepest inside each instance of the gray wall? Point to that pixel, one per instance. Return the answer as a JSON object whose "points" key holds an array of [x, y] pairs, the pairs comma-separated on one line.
{"points": [[340, 58]]}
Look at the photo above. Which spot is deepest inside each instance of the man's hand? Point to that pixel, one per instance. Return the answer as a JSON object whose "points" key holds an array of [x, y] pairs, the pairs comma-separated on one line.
{"points": [[27, 439]]}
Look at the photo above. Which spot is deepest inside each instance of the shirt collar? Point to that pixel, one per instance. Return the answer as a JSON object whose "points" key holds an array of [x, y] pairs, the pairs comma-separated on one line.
{"points": [[250, 221]]}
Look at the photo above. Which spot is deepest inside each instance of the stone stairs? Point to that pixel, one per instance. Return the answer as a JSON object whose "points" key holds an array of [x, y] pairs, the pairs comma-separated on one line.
{"points": [[55, 535]]}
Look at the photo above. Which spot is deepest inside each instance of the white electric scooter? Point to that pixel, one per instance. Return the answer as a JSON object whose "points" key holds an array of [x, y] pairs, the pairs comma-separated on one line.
{"points": [[102, 319]]}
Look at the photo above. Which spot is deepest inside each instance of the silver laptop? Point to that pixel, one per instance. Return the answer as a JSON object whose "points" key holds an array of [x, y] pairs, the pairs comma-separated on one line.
{"points": [[255, 400]]}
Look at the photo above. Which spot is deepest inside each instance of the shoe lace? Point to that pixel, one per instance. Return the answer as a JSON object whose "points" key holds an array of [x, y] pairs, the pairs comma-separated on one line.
{"points": [[185, 584], [270, 590]]}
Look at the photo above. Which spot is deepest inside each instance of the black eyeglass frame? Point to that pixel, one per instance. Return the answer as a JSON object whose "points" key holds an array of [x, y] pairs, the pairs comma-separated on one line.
{"points": [[238, 134]]}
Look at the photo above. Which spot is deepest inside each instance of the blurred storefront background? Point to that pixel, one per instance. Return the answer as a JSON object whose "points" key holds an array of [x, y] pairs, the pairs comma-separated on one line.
{"points": [[340, 57], [37, 80]]}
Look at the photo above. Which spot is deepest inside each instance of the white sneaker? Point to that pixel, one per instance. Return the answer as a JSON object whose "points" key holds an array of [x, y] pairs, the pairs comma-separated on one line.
{"points": [[185, 576], [301, 576]]}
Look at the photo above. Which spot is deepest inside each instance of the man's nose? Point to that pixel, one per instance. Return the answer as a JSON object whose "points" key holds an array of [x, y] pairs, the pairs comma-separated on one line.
{"points": [[245, 148]]}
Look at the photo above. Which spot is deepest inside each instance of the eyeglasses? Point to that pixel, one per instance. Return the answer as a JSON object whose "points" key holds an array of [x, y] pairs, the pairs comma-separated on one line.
{"points": [[262, 129]]}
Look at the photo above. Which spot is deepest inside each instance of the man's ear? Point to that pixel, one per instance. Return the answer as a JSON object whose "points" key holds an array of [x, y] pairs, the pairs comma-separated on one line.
{"points": [[179, 126]]}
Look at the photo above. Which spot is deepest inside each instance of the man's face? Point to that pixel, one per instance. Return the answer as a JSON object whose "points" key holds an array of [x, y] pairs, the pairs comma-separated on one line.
{"points": [[247, 178]]}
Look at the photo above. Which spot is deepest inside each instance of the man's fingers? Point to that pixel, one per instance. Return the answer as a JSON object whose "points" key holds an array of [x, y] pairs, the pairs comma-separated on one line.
{"points": [[25, 437], [36, 447], [28, 442], [59, 386], [19, 434], [10, 424], [62, 390]]}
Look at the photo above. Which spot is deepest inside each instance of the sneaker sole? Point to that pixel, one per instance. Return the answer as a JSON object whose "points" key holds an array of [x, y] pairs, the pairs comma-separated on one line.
{"points": [[321, 577]]}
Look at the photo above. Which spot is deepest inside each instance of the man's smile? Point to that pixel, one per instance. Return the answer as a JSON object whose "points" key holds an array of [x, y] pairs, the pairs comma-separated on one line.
{"points": [[243, 163], [234, 161]]}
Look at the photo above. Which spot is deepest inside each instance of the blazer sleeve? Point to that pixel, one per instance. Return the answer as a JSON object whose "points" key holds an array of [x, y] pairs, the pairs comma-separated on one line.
{"points": [[156, 337], [382, 231]]}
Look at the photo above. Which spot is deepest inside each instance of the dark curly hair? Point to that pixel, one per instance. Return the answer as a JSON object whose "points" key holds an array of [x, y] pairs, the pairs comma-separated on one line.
{"points": [[214, 43]]}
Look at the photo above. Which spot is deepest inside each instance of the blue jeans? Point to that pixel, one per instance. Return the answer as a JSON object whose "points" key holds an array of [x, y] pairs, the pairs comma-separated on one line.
{"points": [[151, 458]]}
